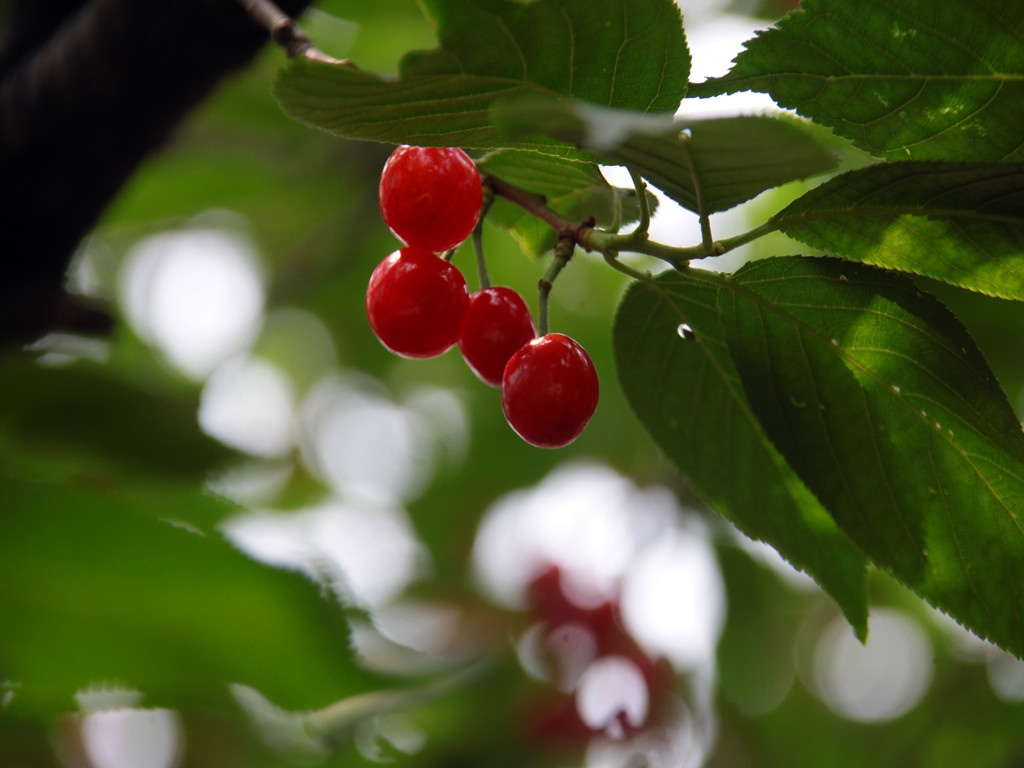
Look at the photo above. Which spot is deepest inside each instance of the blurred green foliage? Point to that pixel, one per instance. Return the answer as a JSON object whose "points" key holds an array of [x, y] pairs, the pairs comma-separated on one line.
{"points": [[112, 570]]}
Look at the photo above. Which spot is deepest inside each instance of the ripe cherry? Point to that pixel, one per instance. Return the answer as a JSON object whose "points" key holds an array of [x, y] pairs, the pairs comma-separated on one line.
{"points": [[416, 303], [497, 325], [549, 391], [430, 196]]}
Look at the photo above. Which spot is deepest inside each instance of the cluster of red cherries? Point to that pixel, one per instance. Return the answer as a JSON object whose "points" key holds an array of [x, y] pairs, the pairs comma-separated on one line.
{"points": [[419, 305], [556, 716]]}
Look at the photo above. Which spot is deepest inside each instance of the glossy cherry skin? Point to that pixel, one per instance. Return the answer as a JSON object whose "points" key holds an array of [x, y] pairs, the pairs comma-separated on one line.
{"points": [[549, 391], [416, 303], [430, 197], [497, 325]]}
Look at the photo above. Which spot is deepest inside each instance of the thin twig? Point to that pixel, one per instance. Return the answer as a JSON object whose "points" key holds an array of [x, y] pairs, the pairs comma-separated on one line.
{"points": [[529, 202], [612, 258], [645, 210], [338, 718], [283, 31], [731, 243], [593, 239], [605, 242]]}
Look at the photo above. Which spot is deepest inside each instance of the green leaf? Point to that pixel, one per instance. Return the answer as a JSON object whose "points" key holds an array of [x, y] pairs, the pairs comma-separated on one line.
{"points": [[92, 591], [882, 403], [959, 223], [629, 54], [910, 80], [84, 419], [575, 190], [683, 386], [701, 164]]}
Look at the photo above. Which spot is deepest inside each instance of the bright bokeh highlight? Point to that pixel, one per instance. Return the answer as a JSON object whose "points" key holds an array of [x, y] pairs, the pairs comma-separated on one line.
{"points": [[249, 404], [879, 680], [195, 294], [132, 738]]}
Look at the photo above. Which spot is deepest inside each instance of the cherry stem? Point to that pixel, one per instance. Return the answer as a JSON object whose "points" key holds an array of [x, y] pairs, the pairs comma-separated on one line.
{"points": [[283, 31], [563, 252], [478, 239]]}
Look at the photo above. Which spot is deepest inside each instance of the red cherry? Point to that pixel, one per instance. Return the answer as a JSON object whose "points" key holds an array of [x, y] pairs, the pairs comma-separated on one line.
{"points": [[549, 391], [558, 716], [430, 196], [548, 601], [556, 720], [416, 303], [497, 325]]}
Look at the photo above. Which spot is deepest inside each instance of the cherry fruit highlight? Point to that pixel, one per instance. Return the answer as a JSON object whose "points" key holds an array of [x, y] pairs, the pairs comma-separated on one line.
{"points": [[497, 325], [416, 303], [430, 197], [549, 391]]}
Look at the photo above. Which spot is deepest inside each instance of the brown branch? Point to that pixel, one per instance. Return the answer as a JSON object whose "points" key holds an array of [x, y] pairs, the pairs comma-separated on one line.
{"points": [[536, 205], [84, 99], [28, 24], [283, 31]]}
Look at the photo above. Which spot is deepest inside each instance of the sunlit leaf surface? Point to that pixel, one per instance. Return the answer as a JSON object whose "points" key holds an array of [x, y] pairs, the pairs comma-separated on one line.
{"points": [[496, 49], [884, 406], [675, 368], [909, 80], [959, 223]]}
